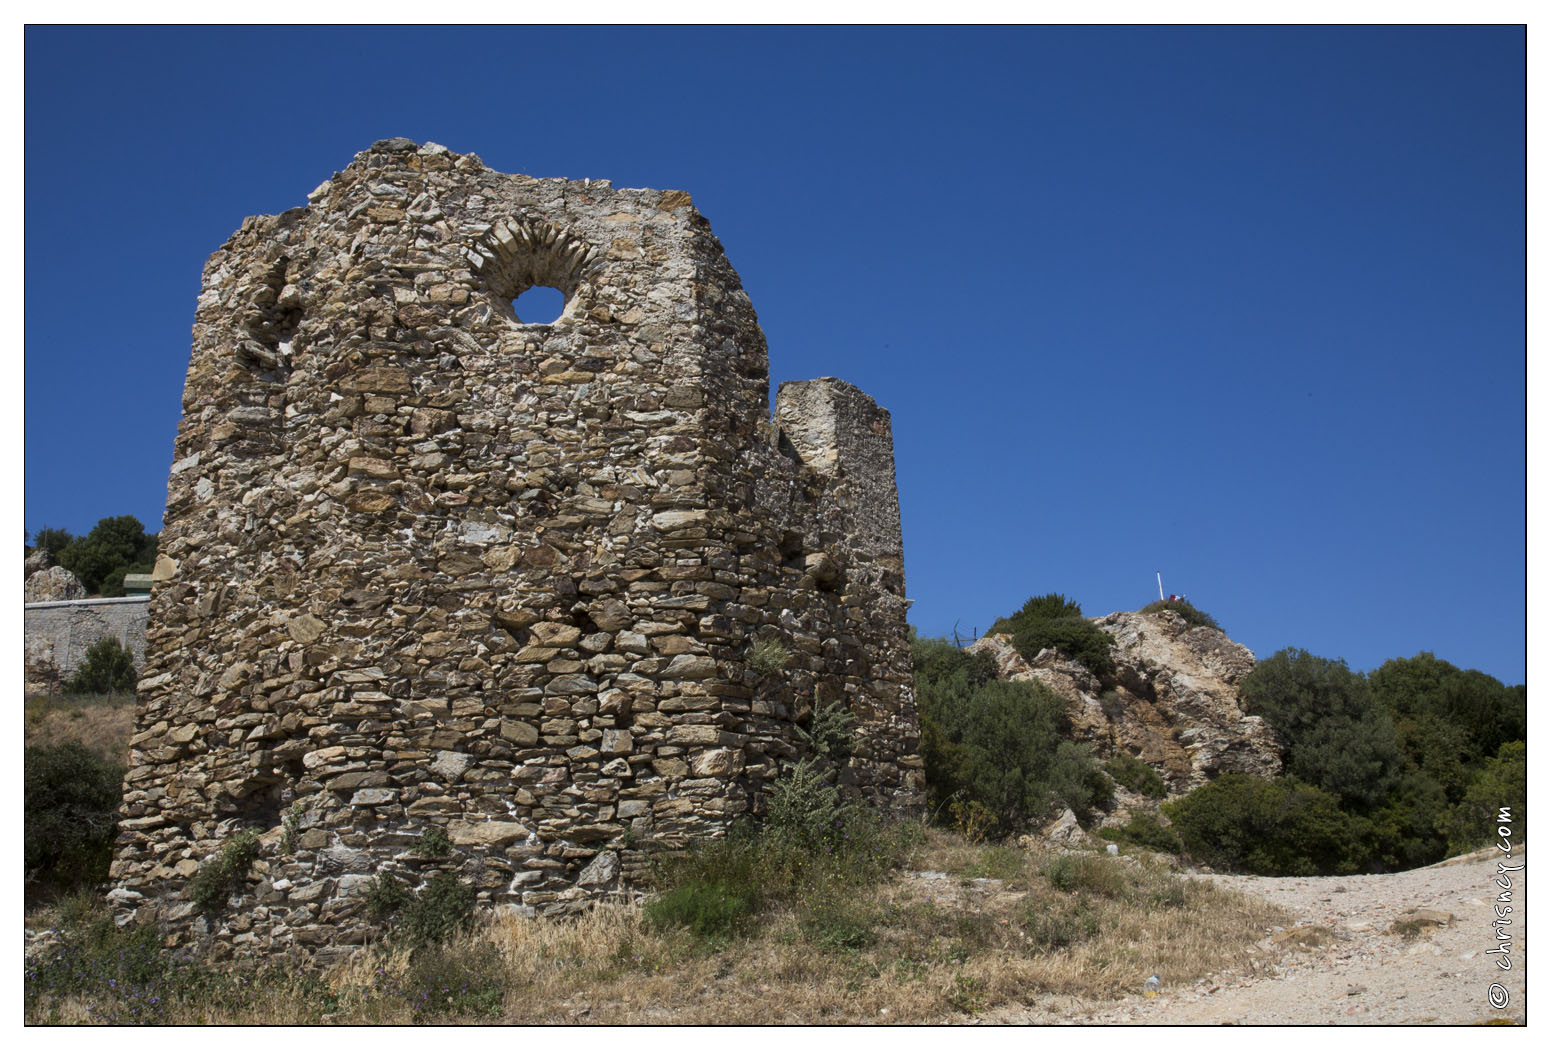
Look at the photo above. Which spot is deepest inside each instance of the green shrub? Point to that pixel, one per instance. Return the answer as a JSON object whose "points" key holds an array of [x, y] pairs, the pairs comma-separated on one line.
{"points": [[107, 668], [813, 851], [219, 876], [1144, 830], [804, 808], [386, 896], [1056, 622], [1136, 775], [440, 909], [434, 843], [1270, 828], [70, 816], [1502, 781], [830, 732], [1001, 745], [1337, 738], [710, 909], [53, 541], [1057, 922], [1086, 874], [1194, 617]]}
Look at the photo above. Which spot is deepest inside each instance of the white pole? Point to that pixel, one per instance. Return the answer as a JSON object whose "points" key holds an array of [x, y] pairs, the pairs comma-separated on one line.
{"points": [[1160, 586]]}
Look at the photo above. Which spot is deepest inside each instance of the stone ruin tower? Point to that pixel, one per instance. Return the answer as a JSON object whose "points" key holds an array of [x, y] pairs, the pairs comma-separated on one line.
{"points": [[426, 565]]}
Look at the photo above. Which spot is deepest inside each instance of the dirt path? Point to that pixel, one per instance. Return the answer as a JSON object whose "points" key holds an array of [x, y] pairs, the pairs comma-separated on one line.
{"points": [[1343, 965]]}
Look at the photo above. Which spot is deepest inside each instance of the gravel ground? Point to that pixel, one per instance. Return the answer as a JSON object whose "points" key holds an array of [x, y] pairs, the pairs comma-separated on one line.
{"points": [[1342, 965]]}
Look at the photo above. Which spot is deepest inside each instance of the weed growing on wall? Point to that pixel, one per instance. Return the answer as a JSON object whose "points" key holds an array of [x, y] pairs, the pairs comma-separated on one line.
{"points": [[219, 876]]}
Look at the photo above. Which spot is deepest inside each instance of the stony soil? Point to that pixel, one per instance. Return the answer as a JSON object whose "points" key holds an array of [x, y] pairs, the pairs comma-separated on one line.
{"points": [[1342, 964]]}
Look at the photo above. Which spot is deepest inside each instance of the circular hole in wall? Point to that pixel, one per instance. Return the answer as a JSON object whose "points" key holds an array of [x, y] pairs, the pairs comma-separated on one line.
{"points": [[539, 305]]}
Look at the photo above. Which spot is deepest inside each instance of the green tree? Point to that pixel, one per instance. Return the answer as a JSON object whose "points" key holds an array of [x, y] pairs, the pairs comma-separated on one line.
{"points": [[107, 668], [101, 557], [52, 540], [1000, 744], [1337, 738]]}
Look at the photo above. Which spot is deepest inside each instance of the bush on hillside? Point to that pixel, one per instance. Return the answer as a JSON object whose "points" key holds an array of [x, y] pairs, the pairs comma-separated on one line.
{"points": [[1269, 828], [1501, 782], [70, 811], [1194, 617], [999, 744], [1337, 738], [107, 668], [1054, 621], [1144, 830], [1130, 772]]}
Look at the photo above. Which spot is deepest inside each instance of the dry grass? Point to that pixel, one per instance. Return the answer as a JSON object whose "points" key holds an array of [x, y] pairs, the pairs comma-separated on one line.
{"points": [[103, 724], [973, 929]]}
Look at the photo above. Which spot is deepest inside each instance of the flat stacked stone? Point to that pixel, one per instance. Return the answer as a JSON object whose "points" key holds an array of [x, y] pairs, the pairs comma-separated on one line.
{"points": [[425, 564]]}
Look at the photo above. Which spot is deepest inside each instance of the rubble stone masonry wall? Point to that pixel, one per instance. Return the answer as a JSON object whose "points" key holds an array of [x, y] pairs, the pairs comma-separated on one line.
{"points": [[427, 565]]}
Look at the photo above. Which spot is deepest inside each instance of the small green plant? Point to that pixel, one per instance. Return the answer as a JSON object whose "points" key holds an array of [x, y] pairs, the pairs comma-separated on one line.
{"points": [[972, 819], [1194, 617], [107, 668], [1086, 874], [442, 908], [829, 733], [710, 909], [1144, 830], [469, 982], [1132, 773], [434, 843], [219, 876], [968, 993], [768, 655], [292, 824], [997, 862], [803, 808], [387, 895]]}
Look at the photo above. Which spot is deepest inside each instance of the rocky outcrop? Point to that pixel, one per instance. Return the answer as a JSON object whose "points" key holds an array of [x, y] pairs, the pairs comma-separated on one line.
{"points": [[54, 584], [1172, 700], [36, 562]]}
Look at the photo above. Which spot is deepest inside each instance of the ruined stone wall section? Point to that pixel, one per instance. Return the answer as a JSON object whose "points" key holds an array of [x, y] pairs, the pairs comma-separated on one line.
{"points": [[426, 564]]}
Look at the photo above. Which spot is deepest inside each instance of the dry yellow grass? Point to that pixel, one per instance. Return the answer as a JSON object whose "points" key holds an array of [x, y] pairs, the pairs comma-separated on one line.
{"points": [[103, 725], [932, 948]]}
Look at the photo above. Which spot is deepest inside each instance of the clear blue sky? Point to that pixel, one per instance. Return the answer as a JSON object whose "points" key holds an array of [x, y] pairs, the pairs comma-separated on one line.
{"points": [[1243, 306]]}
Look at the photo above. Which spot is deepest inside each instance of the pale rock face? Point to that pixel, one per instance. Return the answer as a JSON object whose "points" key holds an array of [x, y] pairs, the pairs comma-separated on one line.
{"points": [[1172, 701], [54, 584]]}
